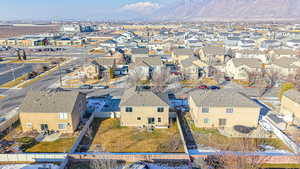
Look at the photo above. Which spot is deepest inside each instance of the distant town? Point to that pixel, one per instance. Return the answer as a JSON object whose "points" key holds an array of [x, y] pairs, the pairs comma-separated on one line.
{"points": [[206, 95]]}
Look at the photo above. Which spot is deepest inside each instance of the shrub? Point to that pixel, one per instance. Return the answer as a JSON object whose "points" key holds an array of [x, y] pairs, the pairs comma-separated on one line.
{"points": [[285, 87]]}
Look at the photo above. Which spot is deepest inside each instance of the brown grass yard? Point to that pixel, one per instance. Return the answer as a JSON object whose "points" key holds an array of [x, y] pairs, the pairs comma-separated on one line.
{"points": [[213, 138], [113, 138], [59, 146]]}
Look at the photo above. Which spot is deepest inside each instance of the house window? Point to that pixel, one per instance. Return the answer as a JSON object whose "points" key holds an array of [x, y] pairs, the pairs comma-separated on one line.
{"points": [[222, 122], [62, 126], [29, 125], [138, 118], [159, 119], [63, 115], [205, 110], [160, 109], [229, 110], [151, 120], [206, 120], [128, 109]]}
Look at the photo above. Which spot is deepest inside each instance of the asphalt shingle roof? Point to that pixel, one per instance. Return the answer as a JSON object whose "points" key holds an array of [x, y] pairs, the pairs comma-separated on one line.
{"points": [[221, 98], [132, 97], [293, 95], [250, 62], [49, 101]]}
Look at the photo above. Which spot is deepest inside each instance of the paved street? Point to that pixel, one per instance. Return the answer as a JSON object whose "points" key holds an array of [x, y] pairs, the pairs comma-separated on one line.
{"points": [[14, 97]]}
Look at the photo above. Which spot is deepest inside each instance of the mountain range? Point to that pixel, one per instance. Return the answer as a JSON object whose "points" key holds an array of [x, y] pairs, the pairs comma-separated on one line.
{"points": [[196, 10]]}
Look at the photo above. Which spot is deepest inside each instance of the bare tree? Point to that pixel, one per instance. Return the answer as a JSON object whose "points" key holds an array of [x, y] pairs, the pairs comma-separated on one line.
{"points": [[105, 164], [241, 159], [39, 68], [135, 77], [161, 79]]}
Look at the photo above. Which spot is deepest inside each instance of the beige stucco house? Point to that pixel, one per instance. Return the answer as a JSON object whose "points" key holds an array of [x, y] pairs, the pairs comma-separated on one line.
{"points": [[222, 109], [143, 108], [180, 54], [52, 111], [290, 106], [238, 68], [286, 66], [212, 54]]}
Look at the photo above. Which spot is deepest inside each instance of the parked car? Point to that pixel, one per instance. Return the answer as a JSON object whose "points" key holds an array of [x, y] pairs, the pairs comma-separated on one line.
{"points": [[2, 119], [85, 87], [214, 87], [100, 87], [227, 78], [171, 96], [138, 166], [202, 87]]}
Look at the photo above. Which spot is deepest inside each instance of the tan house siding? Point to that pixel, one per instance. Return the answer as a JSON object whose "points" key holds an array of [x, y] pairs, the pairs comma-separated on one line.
{"points": [[240, 116], [289, 107], [52, 119], [144, 112]]}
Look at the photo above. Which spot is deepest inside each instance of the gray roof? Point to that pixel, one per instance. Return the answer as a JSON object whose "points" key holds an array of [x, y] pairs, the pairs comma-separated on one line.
{"points": [[188, 62], [131, 97], [214, 50], [49, 101], [105, 61], [285, 52], [286, 62], [293, 95], [221, 98], [150, 61], [139, 51], [250, 62], [183, 51], [251, 52]]}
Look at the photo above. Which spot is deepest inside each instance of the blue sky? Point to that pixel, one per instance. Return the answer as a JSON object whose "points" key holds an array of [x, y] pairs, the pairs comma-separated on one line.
{"points": [[73, 9]]}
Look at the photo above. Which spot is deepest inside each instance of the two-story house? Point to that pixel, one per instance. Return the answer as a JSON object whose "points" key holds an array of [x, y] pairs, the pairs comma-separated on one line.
{"points": [[143, 108], [52, 111], [222, 109]]}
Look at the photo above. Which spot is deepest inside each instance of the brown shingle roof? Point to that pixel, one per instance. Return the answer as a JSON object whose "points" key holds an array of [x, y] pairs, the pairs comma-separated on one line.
{"points": [[131, 97], [49, 101], [221, 98]]}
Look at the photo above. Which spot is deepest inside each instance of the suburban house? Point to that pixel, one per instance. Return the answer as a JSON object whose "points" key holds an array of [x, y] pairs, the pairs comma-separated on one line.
{"points": [[143, 108], [286, 66], [146, 66], [106, 66], [92, 70], [252, 53], [52, 111], [181, 54], [213, 54], [222, 109], [238, 68], [290, 106], [139, 52], [279, 53], [193, 68]]}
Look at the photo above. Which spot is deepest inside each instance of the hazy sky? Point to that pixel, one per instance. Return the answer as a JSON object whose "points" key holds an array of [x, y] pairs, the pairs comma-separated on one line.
{"points": [[76, 9]]}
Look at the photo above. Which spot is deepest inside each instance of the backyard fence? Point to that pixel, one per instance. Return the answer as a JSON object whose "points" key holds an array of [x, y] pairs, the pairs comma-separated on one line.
{"points": [[283, 137], [33, 157], [10, 118]]}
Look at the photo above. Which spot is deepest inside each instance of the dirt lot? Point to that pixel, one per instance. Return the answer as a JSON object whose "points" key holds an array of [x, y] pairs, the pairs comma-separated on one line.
{"points": [[13, 31], [111, 137]]}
